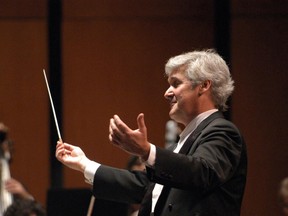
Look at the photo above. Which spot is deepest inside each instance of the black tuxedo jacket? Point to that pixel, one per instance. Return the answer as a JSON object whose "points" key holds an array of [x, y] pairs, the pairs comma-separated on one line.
{"points": [[206, 178]]}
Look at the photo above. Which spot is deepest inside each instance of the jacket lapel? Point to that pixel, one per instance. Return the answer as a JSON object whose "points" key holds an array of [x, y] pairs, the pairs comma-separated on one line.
{"points": [[191, 139]]}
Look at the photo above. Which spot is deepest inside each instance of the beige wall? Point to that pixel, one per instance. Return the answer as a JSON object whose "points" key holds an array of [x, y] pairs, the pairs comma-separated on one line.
{"points": [[113, 59]]}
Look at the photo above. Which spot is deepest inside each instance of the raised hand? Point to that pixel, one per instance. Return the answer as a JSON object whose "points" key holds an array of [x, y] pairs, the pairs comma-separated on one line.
{"points": [[132, 141]]}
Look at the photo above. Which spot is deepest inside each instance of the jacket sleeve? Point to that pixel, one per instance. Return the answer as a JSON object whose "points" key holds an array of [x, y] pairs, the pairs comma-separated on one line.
{"points": [[119, 184]]}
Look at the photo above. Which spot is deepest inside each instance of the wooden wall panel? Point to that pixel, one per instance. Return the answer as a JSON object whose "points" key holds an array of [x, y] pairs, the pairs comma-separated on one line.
{"points": [[142, 8], [23, 99], [259, 61], [256, 8], [113, 63], [34, 9]]}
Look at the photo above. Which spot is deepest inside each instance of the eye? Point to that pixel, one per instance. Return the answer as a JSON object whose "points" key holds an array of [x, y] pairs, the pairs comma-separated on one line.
{"points": [[175, 83]]}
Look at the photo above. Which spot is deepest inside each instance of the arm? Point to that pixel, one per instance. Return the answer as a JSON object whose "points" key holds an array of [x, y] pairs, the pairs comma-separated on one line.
{"points": [[108, 182], [16, 188], [120, 185]]}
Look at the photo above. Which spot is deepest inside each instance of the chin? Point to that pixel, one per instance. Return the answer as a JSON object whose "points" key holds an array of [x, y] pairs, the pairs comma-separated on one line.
{"points": [[173, 116]]}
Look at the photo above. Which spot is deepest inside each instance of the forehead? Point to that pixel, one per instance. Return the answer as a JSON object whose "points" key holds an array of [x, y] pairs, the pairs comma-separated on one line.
{"points": [[178, 74]]}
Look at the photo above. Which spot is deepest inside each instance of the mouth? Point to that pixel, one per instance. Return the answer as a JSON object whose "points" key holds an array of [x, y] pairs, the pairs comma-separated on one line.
{"points": [[172, 103]]}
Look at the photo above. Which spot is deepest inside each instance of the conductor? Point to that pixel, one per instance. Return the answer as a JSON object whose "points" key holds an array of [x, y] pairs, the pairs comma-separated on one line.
{"points": [[204, 174]]}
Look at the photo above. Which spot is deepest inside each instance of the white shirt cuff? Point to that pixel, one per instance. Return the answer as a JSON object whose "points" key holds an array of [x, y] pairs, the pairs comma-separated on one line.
{"points": [[152, 156], [90, 171]]}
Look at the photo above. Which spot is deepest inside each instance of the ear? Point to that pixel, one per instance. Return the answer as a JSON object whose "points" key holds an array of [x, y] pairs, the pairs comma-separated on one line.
{"points": [[205, 86]]}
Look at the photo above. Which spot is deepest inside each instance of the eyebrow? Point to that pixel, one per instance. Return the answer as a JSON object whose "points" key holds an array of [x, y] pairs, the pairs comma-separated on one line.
{"points": [[173, 78]]}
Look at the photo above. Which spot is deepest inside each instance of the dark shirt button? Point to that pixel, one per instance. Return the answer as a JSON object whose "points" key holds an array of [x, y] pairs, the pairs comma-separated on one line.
{"points": [[170, 206]]}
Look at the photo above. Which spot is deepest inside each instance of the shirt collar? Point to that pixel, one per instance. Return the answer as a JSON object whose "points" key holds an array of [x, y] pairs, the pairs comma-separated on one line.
{"points": [[195, 122]]}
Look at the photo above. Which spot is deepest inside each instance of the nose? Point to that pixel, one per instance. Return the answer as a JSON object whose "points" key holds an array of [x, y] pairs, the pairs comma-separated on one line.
{"points": [[169, 93]]}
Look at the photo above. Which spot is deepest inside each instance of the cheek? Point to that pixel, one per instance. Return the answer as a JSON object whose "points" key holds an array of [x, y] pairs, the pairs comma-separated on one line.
{"points": [[189, 105], [186, 100], [182, 103]]}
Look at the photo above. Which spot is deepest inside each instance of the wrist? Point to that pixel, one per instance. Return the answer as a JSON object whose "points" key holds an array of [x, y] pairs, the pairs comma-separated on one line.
{"points": [[83, 164], [146, 154]]}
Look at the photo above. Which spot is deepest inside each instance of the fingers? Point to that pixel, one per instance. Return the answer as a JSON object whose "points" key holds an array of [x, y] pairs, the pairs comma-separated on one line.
{"points": [[113, 131], [117, 130], [12, 185], [141, 122], [9, 185], [62, 149], [120, 125]]}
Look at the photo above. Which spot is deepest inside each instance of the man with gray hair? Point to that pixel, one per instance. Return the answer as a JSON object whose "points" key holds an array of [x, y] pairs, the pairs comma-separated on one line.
{"points": [[204, 174]]}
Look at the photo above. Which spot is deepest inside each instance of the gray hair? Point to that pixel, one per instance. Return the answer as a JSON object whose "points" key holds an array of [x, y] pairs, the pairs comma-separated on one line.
{"points": [[205, 65]]}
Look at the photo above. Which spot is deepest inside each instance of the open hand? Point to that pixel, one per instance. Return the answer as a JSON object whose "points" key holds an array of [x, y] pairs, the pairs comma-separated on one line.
{"points": [[132, 141]]}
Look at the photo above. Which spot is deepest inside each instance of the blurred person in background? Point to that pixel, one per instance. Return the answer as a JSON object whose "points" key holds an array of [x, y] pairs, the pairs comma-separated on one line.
{"points": [[25, 207], [10, 188], [283, 195]]}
